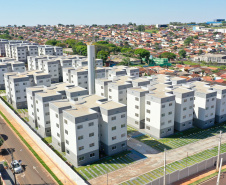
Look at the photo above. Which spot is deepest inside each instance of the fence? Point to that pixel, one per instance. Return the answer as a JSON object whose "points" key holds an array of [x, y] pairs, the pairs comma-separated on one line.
{"points": [[54, 157], [186, 172]]}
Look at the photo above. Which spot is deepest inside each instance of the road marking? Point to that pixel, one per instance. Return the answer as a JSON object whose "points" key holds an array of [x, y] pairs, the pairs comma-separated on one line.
{"points": [[35, 169]]}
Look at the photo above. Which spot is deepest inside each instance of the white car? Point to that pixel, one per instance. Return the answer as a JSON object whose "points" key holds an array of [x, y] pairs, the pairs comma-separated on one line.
{"points": [[16, 166]]}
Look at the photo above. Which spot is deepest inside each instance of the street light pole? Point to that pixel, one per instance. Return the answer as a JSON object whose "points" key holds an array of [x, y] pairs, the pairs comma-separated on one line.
{"points": [[13, 166], [219, 173], [219, 150], [164, 179]]}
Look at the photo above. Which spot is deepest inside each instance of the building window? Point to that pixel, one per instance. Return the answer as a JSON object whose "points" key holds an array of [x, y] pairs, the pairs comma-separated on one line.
{"points": [[67, 142], [113, 138], [47, 113], [123, 116], [58, 134], [80, 137], [163, 106], [163, 115], [109, 90], [92, 155], [190, 107], [121, 99], [213, 99], [65, 121], [147, 127], [212, 106], [113, 118], [136, 122], [114, 148], [91, 134], [169, 121], [170, 104], [137, 99], [66, 132], [79, 126], [91, 145], [148, 102], [81, 158], [46, 105], [56, 115], [123, 145], [91, 124], [136, 106], [184, 109], [123, 125], [148, 119], [148, 111], [191, 99], [170, 113], [102, 87], [137, 115], [163, 123], [123, 135], [113, 128], [185, 100], [81, 148], [184, 117], [57, 125], [68, 151], [169, 129]]}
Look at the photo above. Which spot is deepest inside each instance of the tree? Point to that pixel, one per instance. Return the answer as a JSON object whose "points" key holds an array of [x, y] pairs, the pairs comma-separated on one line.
{"points": [[168, 55], [63, 45], [141, 28], [200, 52], [182, 53], [103, 55], [142, 53], [175, 48], [81, 50], [188, 41], [196, 37], [52, 42], [5, 36], [125, 61], [20, 37]]}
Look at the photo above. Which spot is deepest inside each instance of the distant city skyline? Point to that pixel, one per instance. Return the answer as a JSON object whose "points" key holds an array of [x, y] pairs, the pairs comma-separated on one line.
{"points": [[89, 12]]}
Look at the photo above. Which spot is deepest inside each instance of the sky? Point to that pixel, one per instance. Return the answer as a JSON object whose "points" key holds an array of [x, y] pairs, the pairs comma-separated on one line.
{"points": [[77, 12]]}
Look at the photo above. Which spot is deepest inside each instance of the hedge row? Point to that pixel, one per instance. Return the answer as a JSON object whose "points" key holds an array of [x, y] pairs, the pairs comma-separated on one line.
{"points": [[32, 150]]}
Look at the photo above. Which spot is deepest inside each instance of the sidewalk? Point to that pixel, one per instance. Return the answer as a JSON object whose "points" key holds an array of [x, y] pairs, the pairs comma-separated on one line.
{"points": [[55, 169]]}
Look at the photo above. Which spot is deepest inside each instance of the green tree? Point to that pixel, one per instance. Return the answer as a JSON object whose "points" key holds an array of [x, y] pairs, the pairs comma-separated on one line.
{"points": [[182, 53], [142, 53], [81, 50], [125, 61], [63, 45], [20, 37], [200, 52], [52, 42], [188, 41], [141, 28], [103, 55], [5, 36], [175, 48], [168, 55], [196, 37]]}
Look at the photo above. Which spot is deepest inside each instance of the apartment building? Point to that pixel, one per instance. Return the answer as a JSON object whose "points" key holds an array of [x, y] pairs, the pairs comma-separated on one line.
{"points": [[159, 111], [3, 42], [101, 86], [132, 71], [220, 115], [85, 127], [117, 90], [38, 103], [136, 107], [204, 104], [6, 67], [116, 71], [184, 101], [16, 84]]}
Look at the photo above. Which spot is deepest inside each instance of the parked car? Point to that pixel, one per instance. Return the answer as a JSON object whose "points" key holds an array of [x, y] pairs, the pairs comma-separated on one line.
{"points": [[16, 166]]}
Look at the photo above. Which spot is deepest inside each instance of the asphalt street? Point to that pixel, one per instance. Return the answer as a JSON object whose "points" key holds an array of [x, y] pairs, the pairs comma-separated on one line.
{"points": [[34, 172]]}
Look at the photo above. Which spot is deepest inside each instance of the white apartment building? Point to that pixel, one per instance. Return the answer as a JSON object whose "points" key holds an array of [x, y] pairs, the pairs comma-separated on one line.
{"points": [[184, 98], [89, 125], [6, 67], [204, 105], [159, 111], [132, 71], [101, 86], [220, 103], [16, 84], [38, 98], [136, 107], [117, 90]]}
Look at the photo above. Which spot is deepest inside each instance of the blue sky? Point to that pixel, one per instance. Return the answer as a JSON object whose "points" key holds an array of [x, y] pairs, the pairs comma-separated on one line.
{"points": [[32, 12]]}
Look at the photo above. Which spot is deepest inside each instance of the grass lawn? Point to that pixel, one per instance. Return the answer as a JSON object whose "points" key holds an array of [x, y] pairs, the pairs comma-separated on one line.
{"points": [[108, 164], [151, 31], [2, 91], [48, 139], [179, 138], [130, 130], [177, 165]]}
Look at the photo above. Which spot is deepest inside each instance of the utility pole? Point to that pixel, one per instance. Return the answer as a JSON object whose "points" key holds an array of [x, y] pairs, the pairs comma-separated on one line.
{"points": [[219, 173], [11, 153], [107, 176], [164, 179], [187, 160], [219, 150]]}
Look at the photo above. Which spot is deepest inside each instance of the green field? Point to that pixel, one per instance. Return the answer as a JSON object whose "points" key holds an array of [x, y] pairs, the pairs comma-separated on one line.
{"points": [[179, 138], [178, 165]]}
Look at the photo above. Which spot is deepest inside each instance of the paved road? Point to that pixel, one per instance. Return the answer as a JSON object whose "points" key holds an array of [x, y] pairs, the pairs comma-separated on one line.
{"points": [[34, 172], [213, 181], [156, 160]]}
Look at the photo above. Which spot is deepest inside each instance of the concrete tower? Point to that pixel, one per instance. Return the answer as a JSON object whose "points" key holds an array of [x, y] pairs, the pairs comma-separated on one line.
{"points": [[91, 68]]}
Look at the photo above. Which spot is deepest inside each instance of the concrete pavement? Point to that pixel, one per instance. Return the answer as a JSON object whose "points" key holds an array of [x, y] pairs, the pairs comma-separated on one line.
{"points": [[156, 160]]}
